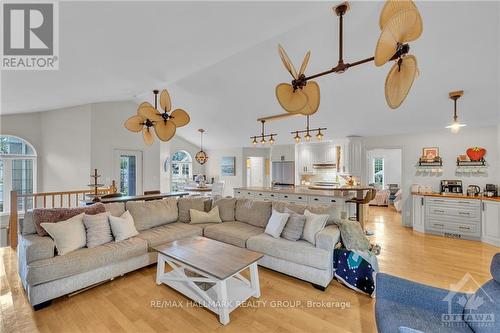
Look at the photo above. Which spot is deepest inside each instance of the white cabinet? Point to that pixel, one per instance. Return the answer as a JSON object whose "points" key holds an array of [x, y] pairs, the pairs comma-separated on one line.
{"points": [[491, 222], [283, 153], [418, 210]]}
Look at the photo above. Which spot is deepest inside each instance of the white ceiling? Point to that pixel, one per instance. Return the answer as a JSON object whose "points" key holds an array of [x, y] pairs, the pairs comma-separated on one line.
{"points": [[219, 61]]}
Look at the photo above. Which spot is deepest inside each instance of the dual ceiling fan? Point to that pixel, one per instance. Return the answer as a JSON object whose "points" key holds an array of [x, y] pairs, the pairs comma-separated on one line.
{"points": [[400, 22], [165, 123]]}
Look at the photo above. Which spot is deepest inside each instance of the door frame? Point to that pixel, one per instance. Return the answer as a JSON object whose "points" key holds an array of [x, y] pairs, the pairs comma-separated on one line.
{"points": [[139, 179]]}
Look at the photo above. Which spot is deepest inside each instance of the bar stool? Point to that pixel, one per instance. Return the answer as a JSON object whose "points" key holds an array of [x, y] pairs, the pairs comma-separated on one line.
{"points": [[369, 196]]}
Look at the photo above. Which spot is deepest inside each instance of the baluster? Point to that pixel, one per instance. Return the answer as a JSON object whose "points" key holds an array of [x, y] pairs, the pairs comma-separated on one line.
{"points": [[44, 201], [53, 197], [69, 199], [61, 200]]}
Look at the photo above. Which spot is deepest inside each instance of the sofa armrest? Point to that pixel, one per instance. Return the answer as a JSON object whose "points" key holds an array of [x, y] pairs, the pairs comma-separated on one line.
{"points": [[327, 238], [33, 247], [416, 295]]}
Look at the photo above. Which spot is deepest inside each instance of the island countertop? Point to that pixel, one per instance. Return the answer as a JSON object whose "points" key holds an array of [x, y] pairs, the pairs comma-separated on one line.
{"points": [[342, 192]]}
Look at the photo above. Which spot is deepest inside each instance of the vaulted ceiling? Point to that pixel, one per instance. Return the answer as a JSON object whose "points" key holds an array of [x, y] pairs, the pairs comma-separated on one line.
{"points": [[219, 61]]}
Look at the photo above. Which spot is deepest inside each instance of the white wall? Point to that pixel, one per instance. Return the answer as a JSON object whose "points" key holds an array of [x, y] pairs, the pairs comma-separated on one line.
{"points": [[213, 168], [450, 146], [392, 164]]}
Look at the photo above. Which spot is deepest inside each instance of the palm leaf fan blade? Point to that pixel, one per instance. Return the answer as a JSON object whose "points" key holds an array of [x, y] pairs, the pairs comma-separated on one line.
{"points": [[165, 130], [400, 80], [148, 136], [311, 90], [150, 113], [290, 100], [392, 7], [180, 117], [165, 102], [135, 123]]}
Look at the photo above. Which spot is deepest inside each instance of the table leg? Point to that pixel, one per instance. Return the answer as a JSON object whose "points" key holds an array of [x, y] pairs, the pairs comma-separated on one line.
{"points": [[222, 302], [160, 269], [254, 280]]}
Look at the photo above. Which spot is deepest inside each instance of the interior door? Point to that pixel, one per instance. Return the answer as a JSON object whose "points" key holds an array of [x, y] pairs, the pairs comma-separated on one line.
{"points": [[128, 171]]}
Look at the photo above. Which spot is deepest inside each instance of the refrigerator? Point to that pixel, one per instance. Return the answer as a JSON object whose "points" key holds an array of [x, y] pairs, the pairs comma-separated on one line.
{"points": [[283, 173]]}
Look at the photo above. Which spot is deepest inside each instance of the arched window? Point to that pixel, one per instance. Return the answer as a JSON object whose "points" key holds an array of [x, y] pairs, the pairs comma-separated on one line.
{"points": [[17, 170], [182, 169]]}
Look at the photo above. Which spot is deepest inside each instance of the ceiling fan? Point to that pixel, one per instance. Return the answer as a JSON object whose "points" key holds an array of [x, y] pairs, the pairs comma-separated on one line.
{"points": [[164, 123], [400, 22]]}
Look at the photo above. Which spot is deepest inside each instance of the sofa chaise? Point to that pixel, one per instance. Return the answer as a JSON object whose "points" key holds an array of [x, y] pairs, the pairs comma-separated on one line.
{"points": [[46, 275]]}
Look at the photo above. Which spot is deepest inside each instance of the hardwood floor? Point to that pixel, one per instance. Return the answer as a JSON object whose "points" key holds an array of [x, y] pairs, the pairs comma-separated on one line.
{"points": [[125, 304]]}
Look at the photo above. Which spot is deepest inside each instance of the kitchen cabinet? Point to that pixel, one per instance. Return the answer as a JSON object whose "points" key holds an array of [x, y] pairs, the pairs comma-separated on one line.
{"points": [[283, 153], [418, 210], [354, 157], [491, 222]]}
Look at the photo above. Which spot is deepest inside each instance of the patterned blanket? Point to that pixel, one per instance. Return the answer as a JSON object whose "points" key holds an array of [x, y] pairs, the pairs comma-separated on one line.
{"points": [[356, 270]]}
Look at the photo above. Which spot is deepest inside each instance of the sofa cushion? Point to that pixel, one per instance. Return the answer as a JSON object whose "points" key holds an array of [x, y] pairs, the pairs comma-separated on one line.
{"points": [[98, 229], [226, 208], [68, 235], [169, 232], [185, 204], [84, 260], [495, 267], [34, 247], [53, 215], [148, 214], [254, 212], [489, 295], [123, 226], [333, 210], [115, 208], [300, 252], [235, 233]]}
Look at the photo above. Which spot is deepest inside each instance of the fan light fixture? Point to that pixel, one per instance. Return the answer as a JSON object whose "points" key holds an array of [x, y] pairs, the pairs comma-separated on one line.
{"points": [[308, 131], [400, 23], [263, 136], [455, 125], [164, 123], [201, 156]]}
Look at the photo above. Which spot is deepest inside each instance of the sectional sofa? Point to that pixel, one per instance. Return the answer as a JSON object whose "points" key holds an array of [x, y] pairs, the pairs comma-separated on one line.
{"points": [[46, 275]]}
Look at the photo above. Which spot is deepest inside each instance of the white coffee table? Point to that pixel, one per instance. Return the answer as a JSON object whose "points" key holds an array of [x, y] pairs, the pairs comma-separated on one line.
{"points": [[199, 260]]}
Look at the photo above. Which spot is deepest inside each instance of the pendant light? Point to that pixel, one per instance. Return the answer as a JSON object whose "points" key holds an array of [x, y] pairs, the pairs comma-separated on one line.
{"points": [[308, 136], [455, 125], [263, 136], [201, 157]]}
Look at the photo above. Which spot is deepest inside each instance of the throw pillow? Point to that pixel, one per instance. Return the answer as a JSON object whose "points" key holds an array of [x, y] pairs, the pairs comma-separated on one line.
{"points": [[294, 227], [226, 208], [54, 215], [149, 214], [353, 236], [314, 224], [123, 227], [276, 223], [68, 235], [98, 229], [198, 216], [254, 212], [185, 204]]}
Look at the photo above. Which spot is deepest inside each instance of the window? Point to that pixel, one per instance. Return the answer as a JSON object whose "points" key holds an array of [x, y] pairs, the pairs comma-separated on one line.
{"points": [[17, 171], [182, 169], [128, 174], [378, 171]]}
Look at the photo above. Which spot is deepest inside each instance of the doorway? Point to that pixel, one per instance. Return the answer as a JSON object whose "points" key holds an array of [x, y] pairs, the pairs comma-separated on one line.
{"points": [[384, 171], [255, 171], [128, 171]]}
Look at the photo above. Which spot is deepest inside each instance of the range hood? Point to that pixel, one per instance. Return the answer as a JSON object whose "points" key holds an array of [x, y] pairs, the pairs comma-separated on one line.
{"points": [[325, 165]]}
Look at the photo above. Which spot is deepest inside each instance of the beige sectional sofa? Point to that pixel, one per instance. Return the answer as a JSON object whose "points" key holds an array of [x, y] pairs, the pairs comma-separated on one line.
{"points": [[46, 275]]}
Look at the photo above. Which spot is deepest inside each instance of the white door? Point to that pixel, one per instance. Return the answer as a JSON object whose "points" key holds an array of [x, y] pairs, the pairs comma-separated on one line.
{"points": [[127, 171], [418, 213], [491, 222]]}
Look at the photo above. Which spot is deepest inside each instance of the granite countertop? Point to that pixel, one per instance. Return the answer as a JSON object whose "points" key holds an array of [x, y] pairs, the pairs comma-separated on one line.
{"points": [[334, 192], [456, 196]]}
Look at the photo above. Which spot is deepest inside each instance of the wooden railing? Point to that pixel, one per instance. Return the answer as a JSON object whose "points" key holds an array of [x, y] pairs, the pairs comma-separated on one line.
{"points": [[45, 200]]}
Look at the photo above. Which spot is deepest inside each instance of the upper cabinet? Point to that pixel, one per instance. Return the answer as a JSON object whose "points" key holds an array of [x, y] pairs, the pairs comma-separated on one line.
{"points": [[283, 153]]}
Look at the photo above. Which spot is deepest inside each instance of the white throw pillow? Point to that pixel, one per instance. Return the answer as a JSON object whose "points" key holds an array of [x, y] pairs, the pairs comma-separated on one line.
{"points": [[314, 224], [276, 223], [197, 216], [69, 235], [123, 227]]}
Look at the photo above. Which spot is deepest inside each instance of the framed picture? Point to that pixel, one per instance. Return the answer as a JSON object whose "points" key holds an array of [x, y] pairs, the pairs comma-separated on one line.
{"points": [[430, 153], [227, 166]]}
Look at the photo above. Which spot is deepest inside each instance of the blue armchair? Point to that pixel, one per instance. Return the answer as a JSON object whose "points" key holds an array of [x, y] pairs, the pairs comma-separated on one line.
{"points": [[406, 306]]}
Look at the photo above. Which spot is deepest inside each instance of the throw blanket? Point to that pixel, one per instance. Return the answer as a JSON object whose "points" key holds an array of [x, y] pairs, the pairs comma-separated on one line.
{"points": [[356, 270]]}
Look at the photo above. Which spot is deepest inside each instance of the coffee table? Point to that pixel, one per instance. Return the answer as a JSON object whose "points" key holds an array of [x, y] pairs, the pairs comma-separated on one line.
{"points": [[200, 261]]}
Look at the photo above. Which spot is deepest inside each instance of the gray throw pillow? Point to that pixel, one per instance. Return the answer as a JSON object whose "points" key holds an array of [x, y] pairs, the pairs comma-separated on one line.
{"points": [[185, 204], [97, 229], [353, 236], [294, 226], [226, 208]]}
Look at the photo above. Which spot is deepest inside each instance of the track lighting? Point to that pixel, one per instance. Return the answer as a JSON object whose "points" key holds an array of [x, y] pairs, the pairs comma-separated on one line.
{"points": [[308, 136]]}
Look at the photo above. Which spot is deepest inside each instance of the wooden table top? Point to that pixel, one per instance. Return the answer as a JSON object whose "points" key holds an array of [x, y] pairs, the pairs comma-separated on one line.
{"points": [[126, 198], [215, 258], [197, 189], [456, 196]]}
